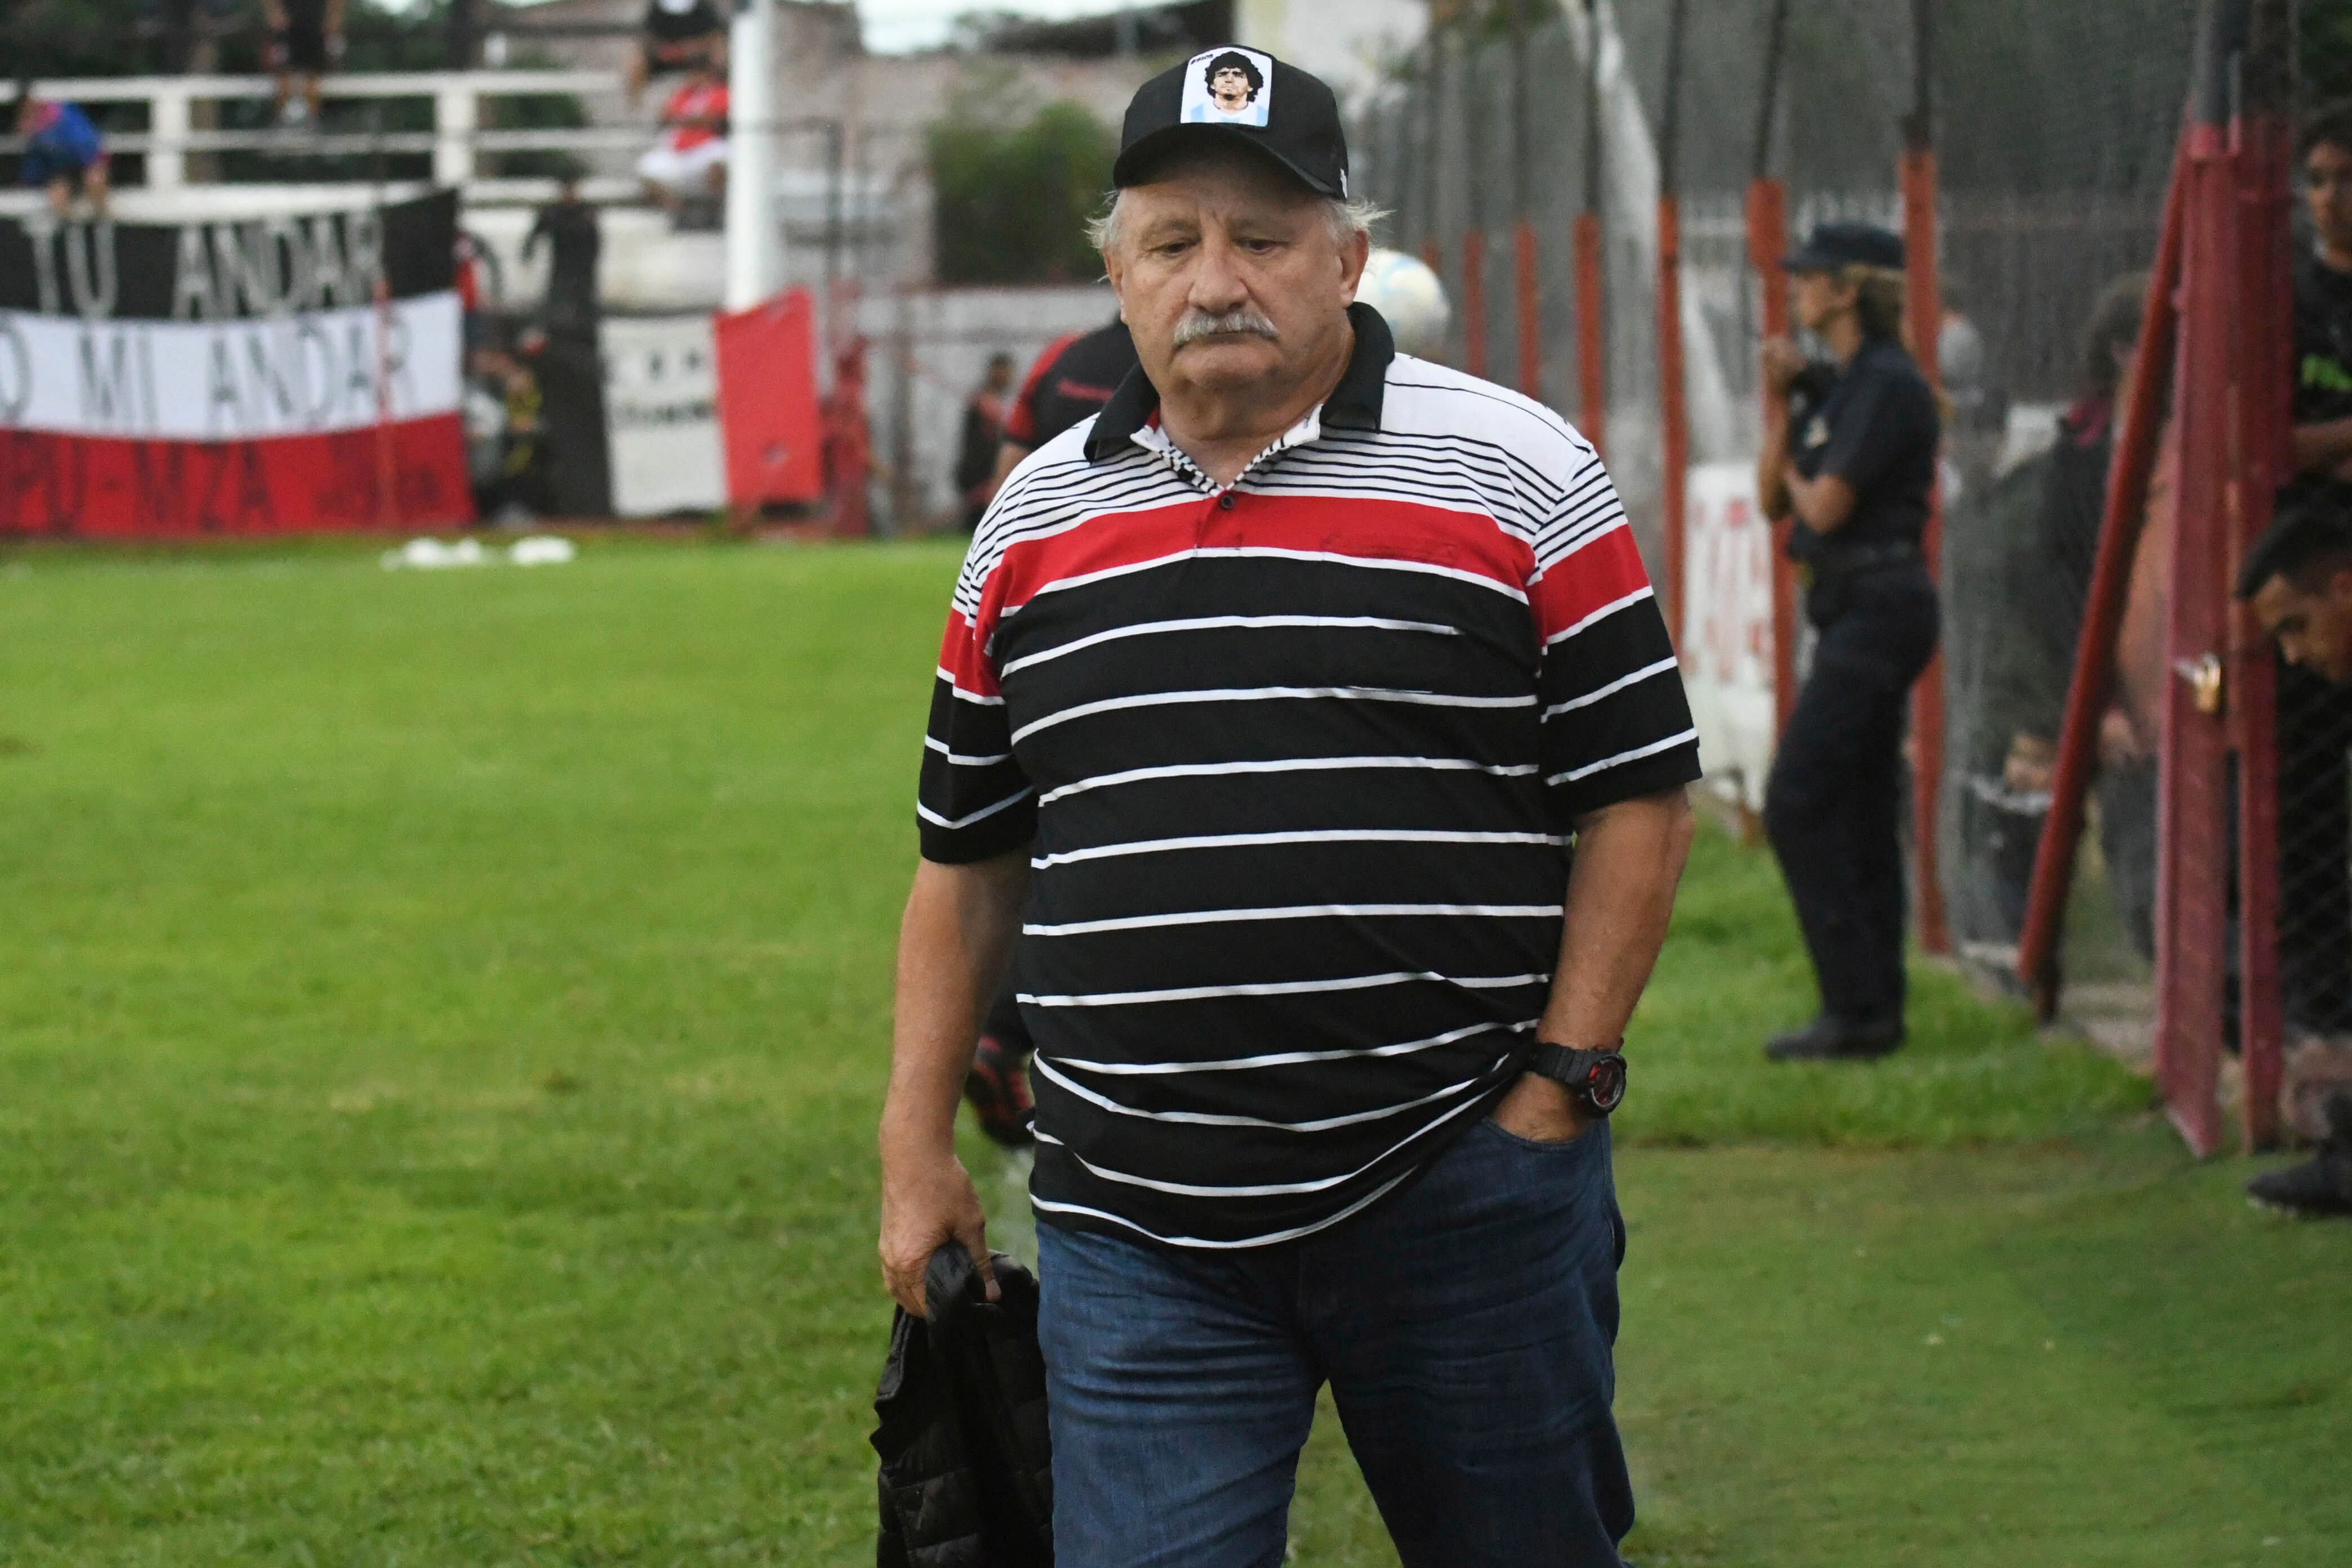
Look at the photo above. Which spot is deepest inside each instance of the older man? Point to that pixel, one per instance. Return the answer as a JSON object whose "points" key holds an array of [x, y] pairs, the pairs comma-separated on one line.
{"points": [[1272, 698]]}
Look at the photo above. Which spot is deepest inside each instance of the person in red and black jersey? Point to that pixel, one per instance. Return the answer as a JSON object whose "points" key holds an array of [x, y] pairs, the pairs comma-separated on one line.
{"points": [[1271, 701], [1071, 381]]}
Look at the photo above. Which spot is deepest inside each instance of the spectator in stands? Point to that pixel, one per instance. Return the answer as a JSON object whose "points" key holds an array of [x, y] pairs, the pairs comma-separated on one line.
{"points": [[689, 160], [568, 225], [64, 153], [305, 38], [2298, 579], [1850, 452], [2314, 717], [983, 426], [678, 35]]}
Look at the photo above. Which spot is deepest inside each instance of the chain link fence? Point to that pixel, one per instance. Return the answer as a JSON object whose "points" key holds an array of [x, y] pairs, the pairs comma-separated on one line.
{"points": [[2055, 123]]}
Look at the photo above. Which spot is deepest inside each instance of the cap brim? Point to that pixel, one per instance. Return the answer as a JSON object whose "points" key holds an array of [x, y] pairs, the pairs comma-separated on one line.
{"points": [[1135, 162], [1806, 259]]}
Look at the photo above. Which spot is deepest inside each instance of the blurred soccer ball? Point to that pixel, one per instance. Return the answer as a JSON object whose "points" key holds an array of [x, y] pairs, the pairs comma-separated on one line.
{"points": [[1409, 298]]}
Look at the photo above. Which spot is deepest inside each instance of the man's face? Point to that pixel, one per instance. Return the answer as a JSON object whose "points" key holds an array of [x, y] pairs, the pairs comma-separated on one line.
{"points": [[1231, 89], [2327, 192], [2314, 629], [1236, 259]]}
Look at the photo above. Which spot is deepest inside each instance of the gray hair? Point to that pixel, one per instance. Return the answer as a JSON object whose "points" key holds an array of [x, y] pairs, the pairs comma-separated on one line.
{"points": [[1347, 218]]}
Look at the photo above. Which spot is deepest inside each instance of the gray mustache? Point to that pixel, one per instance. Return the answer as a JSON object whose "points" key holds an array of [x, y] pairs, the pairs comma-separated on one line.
{"points": [[1200, 324]]}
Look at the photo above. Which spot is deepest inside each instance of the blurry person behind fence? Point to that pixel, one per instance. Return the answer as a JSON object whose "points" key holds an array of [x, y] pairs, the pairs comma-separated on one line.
{"points": [[64, 156], [2314, 717], [2063, 492], [305, 38], [2298, 580], [1849, 451], [984, 426]]}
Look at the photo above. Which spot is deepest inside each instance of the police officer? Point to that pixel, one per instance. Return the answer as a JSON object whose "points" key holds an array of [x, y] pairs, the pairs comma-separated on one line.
{"points": [[1850, 456]]}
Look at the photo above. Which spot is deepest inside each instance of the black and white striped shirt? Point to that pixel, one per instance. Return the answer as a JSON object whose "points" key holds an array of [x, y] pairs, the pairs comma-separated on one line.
{"points": [[1296, 762]]}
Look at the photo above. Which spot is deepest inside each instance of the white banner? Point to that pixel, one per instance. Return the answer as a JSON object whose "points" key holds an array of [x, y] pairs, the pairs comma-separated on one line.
{"points": [[308, 374], [1726, 633], [661, 409]]}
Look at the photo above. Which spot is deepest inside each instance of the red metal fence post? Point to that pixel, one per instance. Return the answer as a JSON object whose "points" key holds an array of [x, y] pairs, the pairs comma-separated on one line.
{"points": [[1767, 245], [1592, 343], [2192, 815], [1924, 311]]}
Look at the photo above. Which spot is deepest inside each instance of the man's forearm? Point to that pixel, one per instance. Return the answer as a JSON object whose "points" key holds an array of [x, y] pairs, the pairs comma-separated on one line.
{"points": [[952, 947], [1620, 895]]}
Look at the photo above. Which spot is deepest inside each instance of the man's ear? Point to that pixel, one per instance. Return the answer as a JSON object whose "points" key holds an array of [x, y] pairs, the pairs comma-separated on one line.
{"points": [[1113, 268], [1353, 256]]}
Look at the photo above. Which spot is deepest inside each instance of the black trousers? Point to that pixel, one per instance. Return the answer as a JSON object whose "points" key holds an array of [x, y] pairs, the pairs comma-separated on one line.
{"points": [[1833, 807]]}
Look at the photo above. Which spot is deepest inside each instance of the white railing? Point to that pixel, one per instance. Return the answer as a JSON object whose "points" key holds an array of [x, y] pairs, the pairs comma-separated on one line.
{"points": [[456, 140]]}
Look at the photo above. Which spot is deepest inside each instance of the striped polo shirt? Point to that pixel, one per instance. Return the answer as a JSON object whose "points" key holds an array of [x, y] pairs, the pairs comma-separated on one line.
{"points": [[1296, 762]]}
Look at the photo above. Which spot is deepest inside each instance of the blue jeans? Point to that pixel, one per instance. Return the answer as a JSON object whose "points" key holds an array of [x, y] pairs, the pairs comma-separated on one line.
{"points": [[1464, 1326]]}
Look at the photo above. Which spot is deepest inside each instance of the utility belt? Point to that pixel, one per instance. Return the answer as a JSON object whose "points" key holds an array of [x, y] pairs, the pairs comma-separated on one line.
{"points": [[1838, 563]]}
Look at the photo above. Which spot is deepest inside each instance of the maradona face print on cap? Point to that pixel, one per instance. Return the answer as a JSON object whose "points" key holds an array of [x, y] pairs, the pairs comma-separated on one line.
{"points": [[1228, 87]]}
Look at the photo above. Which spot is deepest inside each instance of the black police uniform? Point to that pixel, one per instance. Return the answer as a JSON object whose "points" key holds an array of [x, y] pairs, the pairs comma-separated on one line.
{"points": [[1834, 806], [2315, 718]]}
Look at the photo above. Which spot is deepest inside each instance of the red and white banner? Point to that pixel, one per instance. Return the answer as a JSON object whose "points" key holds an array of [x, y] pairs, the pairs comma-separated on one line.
{"points": [[225, 377], [1727, 631]]}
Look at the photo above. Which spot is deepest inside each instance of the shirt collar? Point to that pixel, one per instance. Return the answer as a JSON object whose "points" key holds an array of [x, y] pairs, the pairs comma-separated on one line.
{"points": [[1354, 404]]}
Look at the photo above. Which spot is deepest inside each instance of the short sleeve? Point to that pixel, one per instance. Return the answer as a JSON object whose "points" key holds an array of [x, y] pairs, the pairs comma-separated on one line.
{"points": [[1880, 423], [973, 802], [1615, 723]]}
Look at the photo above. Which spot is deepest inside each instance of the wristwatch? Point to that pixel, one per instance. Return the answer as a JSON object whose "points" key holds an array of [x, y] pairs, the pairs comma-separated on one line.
{"points": [[1597, 1079]]}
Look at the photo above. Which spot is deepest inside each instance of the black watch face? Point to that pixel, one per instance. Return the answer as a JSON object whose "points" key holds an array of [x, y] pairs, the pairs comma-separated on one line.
{"points": [[1606, 1084]]}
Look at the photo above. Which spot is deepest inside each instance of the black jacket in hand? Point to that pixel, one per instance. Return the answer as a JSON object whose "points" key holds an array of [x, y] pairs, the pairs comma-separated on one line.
{"points": [[967, 1469]]}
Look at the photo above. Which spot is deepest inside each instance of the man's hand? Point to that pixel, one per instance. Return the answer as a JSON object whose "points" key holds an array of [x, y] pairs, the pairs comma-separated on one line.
{"points": [[927, 1201], [1542, 1110]]}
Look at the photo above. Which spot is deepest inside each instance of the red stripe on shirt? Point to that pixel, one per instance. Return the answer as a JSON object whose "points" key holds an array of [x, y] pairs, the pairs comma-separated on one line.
{"points": [[1363, 528], [1602, 573]]}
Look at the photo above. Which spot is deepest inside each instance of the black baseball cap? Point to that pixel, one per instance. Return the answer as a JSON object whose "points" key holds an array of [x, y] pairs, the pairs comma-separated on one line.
{"points": [[1836, 245], [1241, 95]]}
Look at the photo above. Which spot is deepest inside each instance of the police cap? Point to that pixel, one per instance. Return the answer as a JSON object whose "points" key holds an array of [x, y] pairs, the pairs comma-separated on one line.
{"points": [[1837, 246]]}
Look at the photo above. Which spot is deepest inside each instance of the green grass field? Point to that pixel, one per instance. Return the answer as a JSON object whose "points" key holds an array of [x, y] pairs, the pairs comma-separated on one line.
{"points": [[441, 1028]]}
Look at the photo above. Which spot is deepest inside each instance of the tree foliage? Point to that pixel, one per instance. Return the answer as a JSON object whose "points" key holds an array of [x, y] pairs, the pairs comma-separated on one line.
{"points": [[1012, 195]]}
